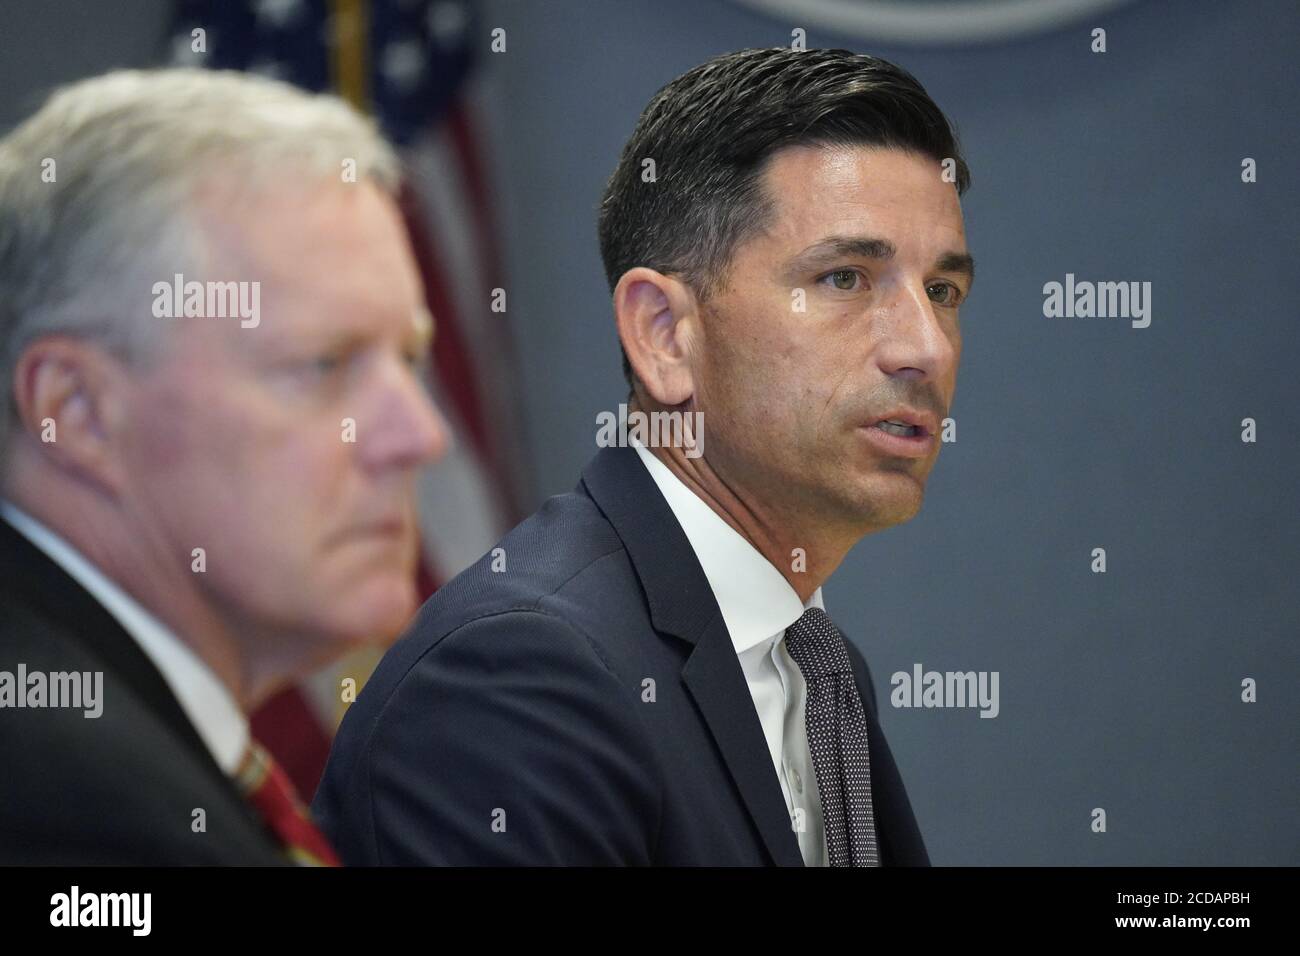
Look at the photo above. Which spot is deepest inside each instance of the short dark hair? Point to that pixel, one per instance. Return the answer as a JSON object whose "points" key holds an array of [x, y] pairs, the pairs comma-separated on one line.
{"points": [[710, 132]]}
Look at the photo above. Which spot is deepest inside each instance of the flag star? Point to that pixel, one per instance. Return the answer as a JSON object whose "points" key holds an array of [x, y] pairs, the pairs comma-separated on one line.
{"points": [[447, 22], [402, 64], [269, 68], [278, 13]]}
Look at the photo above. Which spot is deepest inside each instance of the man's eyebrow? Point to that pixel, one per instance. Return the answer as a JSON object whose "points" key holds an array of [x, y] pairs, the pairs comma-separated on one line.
{"points": [[861, 247], [866, 247], [957, 262]]}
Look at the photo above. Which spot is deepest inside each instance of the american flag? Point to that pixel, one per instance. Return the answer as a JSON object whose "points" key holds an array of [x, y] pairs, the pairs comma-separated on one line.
{"points": [[412, 65]]}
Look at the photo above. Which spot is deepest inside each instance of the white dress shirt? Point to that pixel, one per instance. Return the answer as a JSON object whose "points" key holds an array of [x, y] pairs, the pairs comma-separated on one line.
{"points": [[208, 703], [757, 604]]}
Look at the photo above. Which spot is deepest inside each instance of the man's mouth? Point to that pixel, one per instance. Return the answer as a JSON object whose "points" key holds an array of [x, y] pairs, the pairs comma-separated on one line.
{"points": [[904, 433], [901, 429]]}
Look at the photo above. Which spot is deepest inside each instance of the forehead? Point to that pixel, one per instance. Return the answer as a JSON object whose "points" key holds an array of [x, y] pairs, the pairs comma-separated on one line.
{"points": [[848, 190], [323, 253]]}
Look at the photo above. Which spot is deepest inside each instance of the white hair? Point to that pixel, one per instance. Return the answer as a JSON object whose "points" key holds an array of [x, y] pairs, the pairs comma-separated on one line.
{"points": [[97, 190]]}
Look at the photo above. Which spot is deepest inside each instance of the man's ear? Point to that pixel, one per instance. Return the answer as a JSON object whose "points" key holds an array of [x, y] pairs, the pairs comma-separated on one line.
{"points": [[657, 320], [71, 406]]}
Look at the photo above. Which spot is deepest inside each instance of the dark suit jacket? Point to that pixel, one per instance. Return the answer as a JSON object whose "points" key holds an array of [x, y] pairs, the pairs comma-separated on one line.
{"points": [[511, 724], [119, 788]]}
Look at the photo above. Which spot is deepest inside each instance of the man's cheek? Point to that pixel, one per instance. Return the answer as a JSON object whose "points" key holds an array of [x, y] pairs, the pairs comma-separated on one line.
{"points": [[169, 431], [207, 435]]}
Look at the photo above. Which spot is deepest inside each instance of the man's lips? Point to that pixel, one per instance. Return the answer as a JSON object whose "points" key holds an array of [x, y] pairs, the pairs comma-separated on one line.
{"points": [[383, 528], [920, 423], [899, 446], [903, 432], [389, 526]]}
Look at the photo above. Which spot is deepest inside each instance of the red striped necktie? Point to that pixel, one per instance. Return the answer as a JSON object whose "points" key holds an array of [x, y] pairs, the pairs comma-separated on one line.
{"points": [[266, 786]]}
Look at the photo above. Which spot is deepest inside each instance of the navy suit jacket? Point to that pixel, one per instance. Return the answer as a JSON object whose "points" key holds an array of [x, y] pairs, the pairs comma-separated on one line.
{"points": [[581, 703]]}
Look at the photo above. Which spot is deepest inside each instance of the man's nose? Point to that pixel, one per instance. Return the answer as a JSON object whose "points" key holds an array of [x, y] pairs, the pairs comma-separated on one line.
{"points": [[918, 341], [409, 429]]}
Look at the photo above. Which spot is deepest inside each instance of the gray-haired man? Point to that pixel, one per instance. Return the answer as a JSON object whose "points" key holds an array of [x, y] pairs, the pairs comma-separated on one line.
{"points": [[209, 434]]}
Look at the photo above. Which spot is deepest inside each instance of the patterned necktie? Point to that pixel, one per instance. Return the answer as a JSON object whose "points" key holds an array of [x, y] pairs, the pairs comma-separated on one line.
{"points": [[266, 786], [837, 738]]}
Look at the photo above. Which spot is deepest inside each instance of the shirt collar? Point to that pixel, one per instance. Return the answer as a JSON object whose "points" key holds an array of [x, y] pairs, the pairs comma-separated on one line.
{"points": [[756, 600], [208, 703]]}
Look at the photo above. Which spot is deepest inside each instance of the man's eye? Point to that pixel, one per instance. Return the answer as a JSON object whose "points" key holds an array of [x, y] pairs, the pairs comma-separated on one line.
{"points": [[845, 280], [322, 366], [953, 296]]}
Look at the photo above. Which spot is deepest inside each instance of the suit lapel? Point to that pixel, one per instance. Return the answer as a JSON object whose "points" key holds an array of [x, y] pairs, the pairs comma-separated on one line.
{"points": [[682, 604], [715, 680], [33, 579]]}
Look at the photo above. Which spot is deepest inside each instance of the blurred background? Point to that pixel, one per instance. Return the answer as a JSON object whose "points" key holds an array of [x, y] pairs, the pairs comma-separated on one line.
{"points": [[1119, 690]]}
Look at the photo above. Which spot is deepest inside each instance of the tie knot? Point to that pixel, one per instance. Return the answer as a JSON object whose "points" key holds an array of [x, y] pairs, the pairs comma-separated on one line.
{"points": [[816, 644], [267, 787], [258, 770]]}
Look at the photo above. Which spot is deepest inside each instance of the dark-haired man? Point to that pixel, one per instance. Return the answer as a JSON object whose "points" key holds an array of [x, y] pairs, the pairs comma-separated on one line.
{"points": [[644, 673]]}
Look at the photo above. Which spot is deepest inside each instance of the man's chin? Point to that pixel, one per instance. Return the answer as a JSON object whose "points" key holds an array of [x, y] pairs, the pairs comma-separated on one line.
{"points": [[893, 501], [378, 613]]}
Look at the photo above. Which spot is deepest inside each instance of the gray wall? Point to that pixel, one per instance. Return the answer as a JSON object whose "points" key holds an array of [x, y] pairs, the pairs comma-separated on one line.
{"points": [[1118, 690]]}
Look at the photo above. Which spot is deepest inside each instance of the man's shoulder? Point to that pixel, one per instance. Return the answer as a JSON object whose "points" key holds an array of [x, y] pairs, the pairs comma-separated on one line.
{"points": [[557, 571], [566, 546], [99, 776]]}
